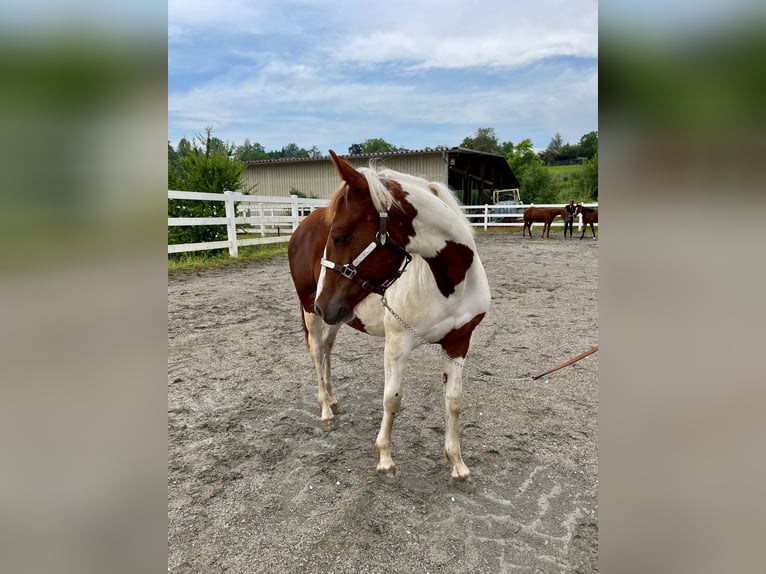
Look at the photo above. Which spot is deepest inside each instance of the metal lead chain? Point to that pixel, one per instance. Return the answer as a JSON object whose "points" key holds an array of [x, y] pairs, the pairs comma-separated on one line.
{"points": [[423, 341]]}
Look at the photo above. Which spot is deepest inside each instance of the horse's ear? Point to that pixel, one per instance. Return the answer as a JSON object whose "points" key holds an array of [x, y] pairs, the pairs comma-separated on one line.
{"points": [[348, 173]]}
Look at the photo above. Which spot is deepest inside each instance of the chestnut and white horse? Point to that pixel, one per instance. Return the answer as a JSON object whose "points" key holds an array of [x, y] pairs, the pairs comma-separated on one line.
{"points": [[387, 237]]}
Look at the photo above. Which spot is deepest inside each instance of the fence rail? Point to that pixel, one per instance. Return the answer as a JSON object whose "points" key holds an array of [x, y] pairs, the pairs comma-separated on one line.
{"points": [[275, 218]]}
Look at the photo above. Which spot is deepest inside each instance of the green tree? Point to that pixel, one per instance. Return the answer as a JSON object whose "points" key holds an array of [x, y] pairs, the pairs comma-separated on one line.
{"points": [[483, 140], [291, 150], [251, 151], [537, 184], [210, 166], [521, 155], [373, 145], [589, 145], [553, 151], [174, 167], [184, 147], [506, 148]]}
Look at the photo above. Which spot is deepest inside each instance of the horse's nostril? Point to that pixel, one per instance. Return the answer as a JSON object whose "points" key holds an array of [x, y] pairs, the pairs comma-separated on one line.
{"points": [[318, 311]]}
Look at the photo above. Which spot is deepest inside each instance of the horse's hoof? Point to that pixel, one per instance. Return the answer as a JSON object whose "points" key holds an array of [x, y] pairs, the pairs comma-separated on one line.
{"points": [[389, 479], [389, 475], [464, 484], [461, 476], [329, 425]]}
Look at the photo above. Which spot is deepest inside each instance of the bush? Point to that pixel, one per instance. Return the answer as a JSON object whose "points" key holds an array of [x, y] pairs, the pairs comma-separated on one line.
{"points": [[209, 166]]}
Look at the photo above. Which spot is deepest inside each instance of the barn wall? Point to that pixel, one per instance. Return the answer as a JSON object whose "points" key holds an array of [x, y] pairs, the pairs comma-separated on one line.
{"points": [[318, 178]]}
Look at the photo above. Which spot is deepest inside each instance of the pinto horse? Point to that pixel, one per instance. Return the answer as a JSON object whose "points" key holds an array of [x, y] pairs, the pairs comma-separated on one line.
{"points": [[589, 215], [544, 215], [392, 255]]}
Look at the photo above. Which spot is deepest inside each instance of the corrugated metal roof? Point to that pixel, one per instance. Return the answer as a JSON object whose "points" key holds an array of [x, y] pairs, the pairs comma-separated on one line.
{"points": [[369, 155]]}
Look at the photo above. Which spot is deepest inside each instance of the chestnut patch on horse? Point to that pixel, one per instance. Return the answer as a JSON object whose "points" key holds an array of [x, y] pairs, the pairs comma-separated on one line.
{"points": [[403, 226], [450, 265], [456, 342], [357, 324]]}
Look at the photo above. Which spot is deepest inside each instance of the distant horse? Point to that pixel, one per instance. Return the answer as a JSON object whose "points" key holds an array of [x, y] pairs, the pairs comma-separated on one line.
{"points": [[589, 215], [544, 215], [392, 239]]}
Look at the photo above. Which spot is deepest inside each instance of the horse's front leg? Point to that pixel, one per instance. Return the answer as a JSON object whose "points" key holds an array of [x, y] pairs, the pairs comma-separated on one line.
{"points": [[395, 357], [320, 338]]}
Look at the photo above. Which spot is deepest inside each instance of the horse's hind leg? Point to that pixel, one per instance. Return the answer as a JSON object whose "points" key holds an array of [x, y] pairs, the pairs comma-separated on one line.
{"points": [[453, 402], [320, 338], [456, 346]]}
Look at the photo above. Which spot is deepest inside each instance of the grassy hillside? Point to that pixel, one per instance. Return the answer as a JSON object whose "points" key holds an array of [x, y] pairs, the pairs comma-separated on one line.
{"points": [[567, 182], [564, 170]]}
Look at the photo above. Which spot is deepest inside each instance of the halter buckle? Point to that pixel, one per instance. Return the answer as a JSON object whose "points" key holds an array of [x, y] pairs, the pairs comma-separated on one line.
{"points": [[382, 235], [348, 271]]}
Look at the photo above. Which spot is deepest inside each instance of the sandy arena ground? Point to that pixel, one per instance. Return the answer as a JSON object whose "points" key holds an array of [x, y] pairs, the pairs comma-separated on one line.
{"points": [[257, 484]]}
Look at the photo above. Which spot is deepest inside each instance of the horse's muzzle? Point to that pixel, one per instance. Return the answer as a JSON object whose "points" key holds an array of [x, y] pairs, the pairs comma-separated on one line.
{"points": [[334, 314]]}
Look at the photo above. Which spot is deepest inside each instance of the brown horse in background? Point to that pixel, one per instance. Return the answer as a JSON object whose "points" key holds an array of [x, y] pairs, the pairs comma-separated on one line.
{"points": [[589, 215], [544, 215]]}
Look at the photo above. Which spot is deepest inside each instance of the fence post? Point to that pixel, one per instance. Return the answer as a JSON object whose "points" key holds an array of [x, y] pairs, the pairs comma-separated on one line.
{"points": [[294, 199], [231, 224], [261, 215], [486, 216]]}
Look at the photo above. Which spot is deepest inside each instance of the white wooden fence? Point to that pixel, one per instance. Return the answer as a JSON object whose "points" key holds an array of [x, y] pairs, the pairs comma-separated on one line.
{"points": [[274, 223], [486, 216], [275, 218]]}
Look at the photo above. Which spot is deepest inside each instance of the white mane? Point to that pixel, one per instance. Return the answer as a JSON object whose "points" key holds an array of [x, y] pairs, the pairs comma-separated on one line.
{"points": [[383, 200]]}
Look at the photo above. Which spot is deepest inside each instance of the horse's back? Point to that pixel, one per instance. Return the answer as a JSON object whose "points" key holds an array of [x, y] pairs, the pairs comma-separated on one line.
{"points": [[589, 214], [304, 251], [538, 214]]}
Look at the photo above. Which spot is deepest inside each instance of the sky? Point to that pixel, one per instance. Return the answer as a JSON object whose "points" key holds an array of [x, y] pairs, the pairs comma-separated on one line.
{"points": [[415, 73]]}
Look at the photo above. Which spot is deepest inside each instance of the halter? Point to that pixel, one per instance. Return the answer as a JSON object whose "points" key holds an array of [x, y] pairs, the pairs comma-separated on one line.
{"points": [[382, 239]]}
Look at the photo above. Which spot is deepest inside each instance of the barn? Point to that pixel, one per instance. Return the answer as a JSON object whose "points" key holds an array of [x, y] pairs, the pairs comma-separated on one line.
{"points": [[471, 174]]}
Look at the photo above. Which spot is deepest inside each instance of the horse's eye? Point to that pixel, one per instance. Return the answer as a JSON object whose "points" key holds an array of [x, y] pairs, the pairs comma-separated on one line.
{"points": [[341, 239]]}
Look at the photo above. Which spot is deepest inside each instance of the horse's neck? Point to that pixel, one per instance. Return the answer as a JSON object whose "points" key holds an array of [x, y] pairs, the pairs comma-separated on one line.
{"points": [[435, 225]]}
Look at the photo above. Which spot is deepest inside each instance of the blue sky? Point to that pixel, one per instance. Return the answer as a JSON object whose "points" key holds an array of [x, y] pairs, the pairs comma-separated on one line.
{"points": [[417, 74]]}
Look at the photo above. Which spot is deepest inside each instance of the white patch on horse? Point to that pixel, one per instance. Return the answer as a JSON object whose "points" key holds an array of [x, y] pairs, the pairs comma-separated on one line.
{"points": [[320, 282]]}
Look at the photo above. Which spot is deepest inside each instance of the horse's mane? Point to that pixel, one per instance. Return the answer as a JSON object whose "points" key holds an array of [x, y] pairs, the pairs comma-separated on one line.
{"points": [[383, 200]]}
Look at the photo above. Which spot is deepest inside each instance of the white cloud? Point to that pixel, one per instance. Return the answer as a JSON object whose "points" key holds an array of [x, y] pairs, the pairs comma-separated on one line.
{"points": [[495, 35], [299, 72]]}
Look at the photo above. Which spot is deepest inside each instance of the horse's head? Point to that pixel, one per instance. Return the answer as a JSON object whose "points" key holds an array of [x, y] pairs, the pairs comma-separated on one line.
{"points": [[364, 252], [578, 209], [565, 215]]}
